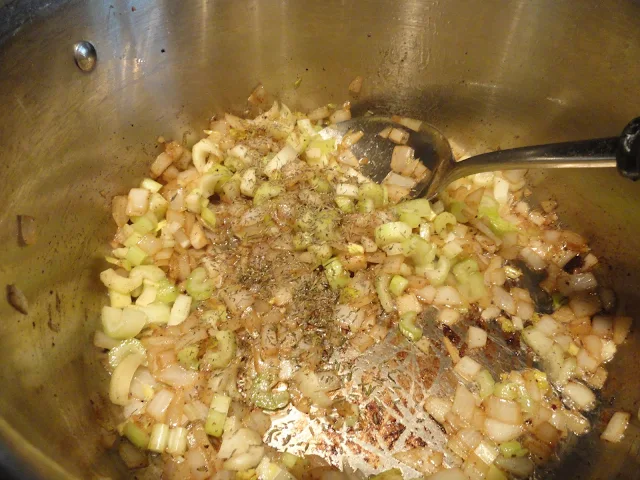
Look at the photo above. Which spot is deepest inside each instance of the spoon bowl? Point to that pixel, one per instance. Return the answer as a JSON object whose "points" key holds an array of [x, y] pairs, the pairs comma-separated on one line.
{"points": [[434, 151]]}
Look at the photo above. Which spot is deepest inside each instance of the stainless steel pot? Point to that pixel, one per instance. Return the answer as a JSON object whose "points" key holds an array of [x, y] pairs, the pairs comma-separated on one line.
{"points": [[490, 74]]}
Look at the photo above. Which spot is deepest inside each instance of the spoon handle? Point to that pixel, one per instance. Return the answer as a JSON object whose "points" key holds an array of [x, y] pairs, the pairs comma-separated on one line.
{"points": [[622, 152]]}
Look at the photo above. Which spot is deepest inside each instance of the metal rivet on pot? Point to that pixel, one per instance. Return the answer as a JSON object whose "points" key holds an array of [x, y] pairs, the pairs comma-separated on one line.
{"points": [[85, 55]]}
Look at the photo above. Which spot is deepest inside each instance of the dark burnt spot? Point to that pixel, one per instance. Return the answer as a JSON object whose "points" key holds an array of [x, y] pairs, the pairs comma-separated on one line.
{"points": [[391, 431], [428, 370], [512, 340], [574, 265], [402, 355], [373, 413], [451, 335], [415, 442]]}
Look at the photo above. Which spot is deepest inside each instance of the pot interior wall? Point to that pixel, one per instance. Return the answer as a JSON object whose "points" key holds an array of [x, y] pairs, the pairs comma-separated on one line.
{"points": [[489, 74]]}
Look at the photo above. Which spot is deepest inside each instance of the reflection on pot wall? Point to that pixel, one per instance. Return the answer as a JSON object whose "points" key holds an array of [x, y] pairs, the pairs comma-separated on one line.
{"points": [[489, 74]]}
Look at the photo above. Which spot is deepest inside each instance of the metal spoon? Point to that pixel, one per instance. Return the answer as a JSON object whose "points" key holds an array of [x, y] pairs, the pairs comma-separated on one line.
{"points": [[433, 149]]}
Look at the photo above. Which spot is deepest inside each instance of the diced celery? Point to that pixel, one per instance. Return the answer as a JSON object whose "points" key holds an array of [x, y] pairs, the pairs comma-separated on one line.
{"points": [[234, 164], [325, 146], [485, 382], [151, 185], [265, 192], [374, 192], [148, 272], [398, 285], [136, 435], [456, 208], [392, 232], [199, 286], [306, 221], [382, 290], [320, 184], [337, 276], [419, 206], [215, 316], [355, 249], [120, 284], [188, 357], [408, 326], [321, 252], [558, 300], [474, 288], [159, 437], [123, 349], [512, 449], [489, 209], [302, 240], [209, 217], [463, 270], [221, 351], [122, 324], [145, 224], [324, 228], [366, 205], [119, 300], [345, 204], [262, 396], [442, 220], [177, 441], [507, 391], [420, 251], [132, 240], [136, 255], [298, 141], [410, 218], [156, 312], [166, 291], [217, 415], [438, 275], [348, 293]]}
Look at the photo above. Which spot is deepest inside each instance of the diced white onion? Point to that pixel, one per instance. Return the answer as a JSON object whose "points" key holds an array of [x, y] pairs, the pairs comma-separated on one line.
{"points": [[476, 337], [614, 432]]}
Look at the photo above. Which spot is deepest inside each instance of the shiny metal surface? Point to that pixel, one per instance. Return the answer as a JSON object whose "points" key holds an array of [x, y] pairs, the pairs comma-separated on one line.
{"points": [[85, 55], [490, 74]]}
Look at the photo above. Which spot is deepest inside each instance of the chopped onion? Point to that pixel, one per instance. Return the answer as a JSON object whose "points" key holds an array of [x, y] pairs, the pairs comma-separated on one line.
{"points": [[449, 316], [503, 300], [621, 328], [476, 337], [535, 261], [159, 404], [177, 376], [437, 408], [505, 411], [467, 368], [340, 116], [356, 85], [464, 403], [447, 296], [501, 432], [582, 282], [580, 395], [614, 432]]}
